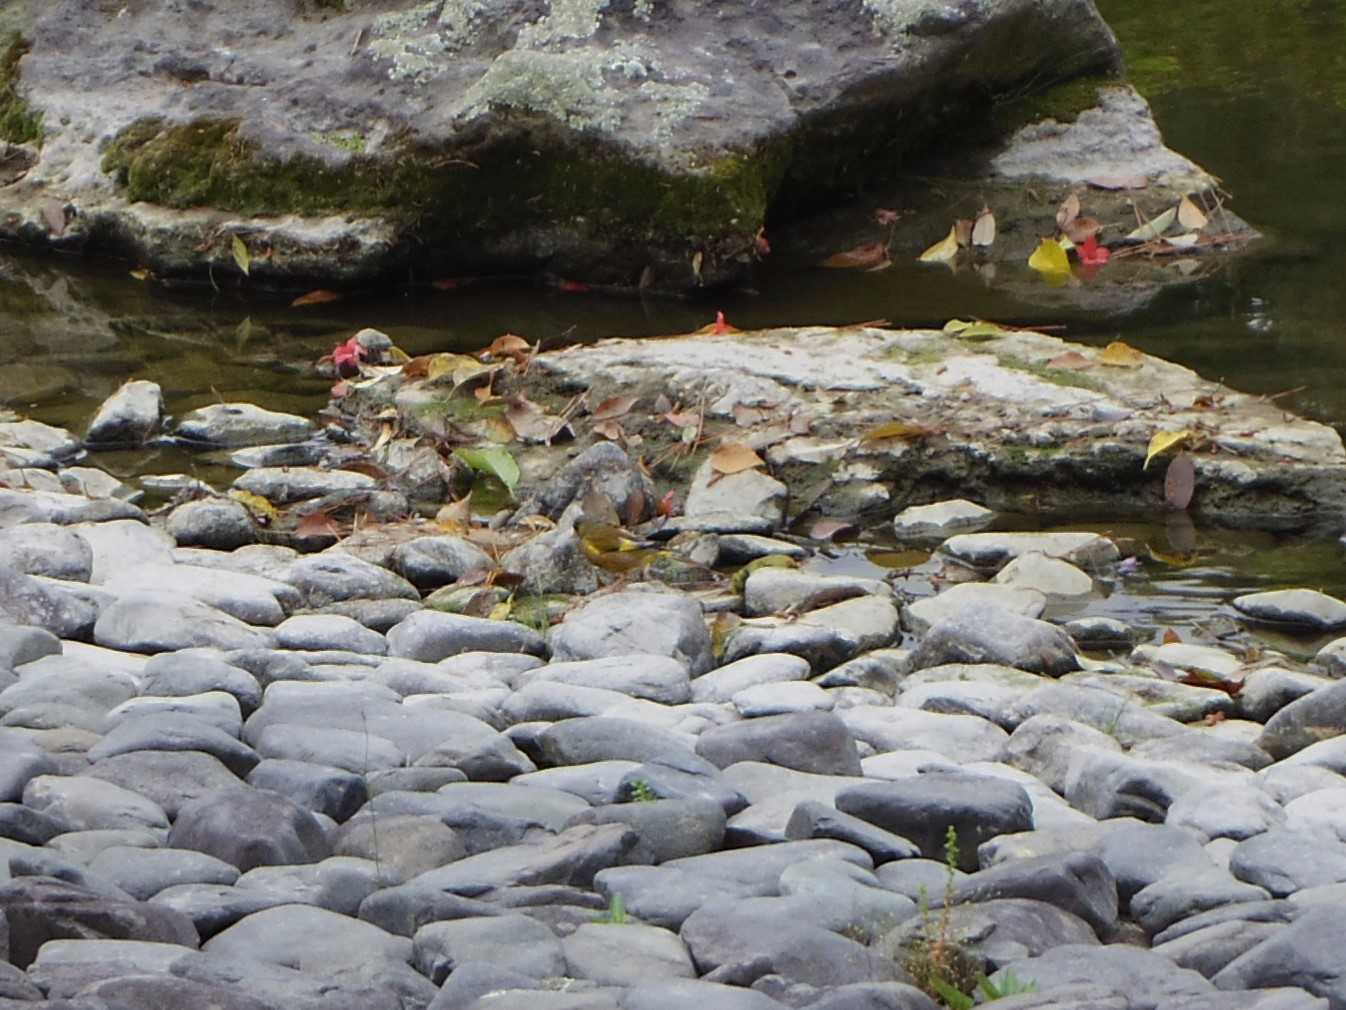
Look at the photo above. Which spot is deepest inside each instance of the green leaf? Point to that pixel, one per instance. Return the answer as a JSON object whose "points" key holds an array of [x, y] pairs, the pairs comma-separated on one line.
{"points": [[952, 998], [493, 461], [241, 255]]}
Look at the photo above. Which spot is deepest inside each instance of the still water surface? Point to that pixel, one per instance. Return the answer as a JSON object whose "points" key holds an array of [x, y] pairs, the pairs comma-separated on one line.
{"points": [[1254, 91]]}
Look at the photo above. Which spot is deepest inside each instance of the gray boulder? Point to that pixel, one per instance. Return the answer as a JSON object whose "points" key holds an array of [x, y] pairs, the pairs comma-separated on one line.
{"points": [[1306, 953], [129, 416], [46, 549], [429, 636], [998, 636], [1078, 882], [815, 742], [619, 624], [249, 827], [1305, 721]]}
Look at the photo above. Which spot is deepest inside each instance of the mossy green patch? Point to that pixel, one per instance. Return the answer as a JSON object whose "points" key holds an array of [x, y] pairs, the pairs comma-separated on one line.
{"points": [[19, 124], [1056, 376], [1062, 102]]}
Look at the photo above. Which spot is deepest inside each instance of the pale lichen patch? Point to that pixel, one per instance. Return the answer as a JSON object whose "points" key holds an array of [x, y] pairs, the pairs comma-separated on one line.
{"points": [[567, 19]]}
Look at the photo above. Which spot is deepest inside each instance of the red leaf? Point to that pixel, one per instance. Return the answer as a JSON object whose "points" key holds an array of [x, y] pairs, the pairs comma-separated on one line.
{"points": [[719, 328], [668, 505], [1091, 253], [347, 357], [317, 297], [573, 287], [760, 243]]}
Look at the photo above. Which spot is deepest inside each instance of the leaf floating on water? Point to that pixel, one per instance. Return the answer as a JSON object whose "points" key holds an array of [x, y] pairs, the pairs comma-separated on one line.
{"points": [[943, 251], [1164, 441], [1068, 211], [1121, 355], [983, 231], [962, 231], [1180, 482], [1154, 227], [241, 255], [1070, 360], [905, 430], [316, 297], [1050, 258], [734, 457], [1190, 216], [494, 462], [862, 257], [1171, 637]]}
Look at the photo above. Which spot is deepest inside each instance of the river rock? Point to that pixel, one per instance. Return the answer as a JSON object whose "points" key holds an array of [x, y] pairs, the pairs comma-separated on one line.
{"points": [[1305, 721], [63, 509], [957, 737], [1303, 607], [129, 416], [1302, 954], [307, 938], [721, 684], [284, 485], [682, 775], [998, 636], [579, 741], [46, 549], [431, 562], [997, 931], [1077, 882], [430, 636], [220, 524], [514, 942], [920, 521], [333, 575], [1236, 812], [749, 493], [816, 742], [668, 829], [641, 675], [1139, 854], [249, 827], [553, 562], [628, 956], [824, 648], [1176, 897], [773, 590], [918, 617], [87, 803], [154, 622], [995, 550], [26, 600], [1147, 979], [185, 673], [782, 699], [20, 644], [619, 624], [1050, 576], [1284, 861], [238, 424]]}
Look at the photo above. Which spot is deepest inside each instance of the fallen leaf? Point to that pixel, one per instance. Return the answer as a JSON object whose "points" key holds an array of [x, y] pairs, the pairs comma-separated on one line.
{"points": [[1171, 637], [1180, 482], [529, 420], [1186, 241], [667, 505], [1121, 355], [827, 528], [1050, 259], [862, 257], [1082, 229], [1071, 360], [1164, 441], [683, 418], [1190, 216], [262, 510], [348, 356], [316, 524], [241, 255], [614, 406], [734, 457], [943, 251], [492, 461], [1068, 211], [316, 297], [610, 429], [905, 430], [698, 258], [746, 417], [719, 328], [1154, 227], [1091, 253], [962, 231], [141, 274], [509, 345], [885, 216], [760, 245], [980, 329], [983, 230]]}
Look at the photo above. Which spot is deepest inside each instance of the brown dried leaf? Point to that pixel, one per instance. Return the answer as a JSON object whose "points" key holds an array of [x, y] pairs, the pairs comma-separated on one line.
{"points": [[1121, 355], [530, 422], [614, 406], [1080, 229], [315, 297], [682, 418], [1180, 482], [612, 430], [1070, 359], [316, 524], [53, 216], [862, 257], [1190, 216], [746, 417], [1068, 211], [734, 457], [1171, 637], [962, 232], [509, 345], [905, 430]]}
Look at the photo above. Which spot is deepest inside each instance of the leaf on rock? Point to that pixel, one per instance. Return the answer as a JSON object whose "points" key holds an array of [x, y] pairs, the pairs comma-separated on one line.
{"points": [[531, 423], [316, 524], [1070, 360], [734, 457], [1180, 482], [1082, 229], [315, 297], [262, 510], [962, 231], [494, 462], [979, 329], [610, 429], [905, 430], [1121, 355], [1187, 241], [241, 255], [509, 345], [719, 328], [1050, 259], [614, 406], [1164, 441], [983, 230], [1171, 637], [943, 251], [1190, 216], [1091, 253], [1068, 211], [1154, 227], [862, 257]]}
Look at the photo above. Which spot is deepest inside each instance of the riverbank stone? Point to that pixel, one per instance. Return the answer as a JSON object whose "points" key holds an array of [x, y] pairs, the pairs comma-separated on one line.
{"points": [[1301, 607], [129, 416], [667, 624], [248, 827]]}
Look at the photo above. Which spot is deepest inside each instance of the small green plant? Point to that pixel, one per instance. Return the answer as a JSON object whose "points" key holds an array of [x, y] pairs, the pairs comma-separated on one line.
{"points": [[616, 913], [641, 792], [1010, 985]]}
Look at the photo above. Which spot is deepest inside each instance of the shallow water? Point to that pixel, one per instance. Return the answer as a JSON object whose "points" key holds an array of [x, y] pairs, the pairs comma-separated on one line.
{"points": [[1254, 91]]}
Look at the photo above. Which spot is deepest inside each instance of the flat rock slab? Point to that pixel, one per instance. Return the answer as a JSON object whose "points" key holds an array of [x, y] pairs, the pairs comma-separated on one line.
{"points": [[1006, 419]]}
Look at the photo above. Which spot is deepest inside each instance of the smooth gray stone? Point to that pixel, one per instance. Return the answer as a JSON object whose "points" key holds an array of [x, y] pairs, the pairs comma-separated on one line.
{"points": [[18, 507], [689, 994], [548, 702], [344, 984], [411, 779], [472, 979], [966, 599], [322, 789], [817, 742], [1139, 854], [216, 708], [1284, 861], [994, 635], [83, 847], [924, 808], [667, 829], [1204, 745], [813, 819], [1046, 745], [87, 803], [21, 760], [337, 884], [1281, 998], [377, 615], [1306, 953], [332, 576], [599, 738], [1106, 785], [176, 674], [175, 732], [66, 967], [403, 846], [1147, 979], [1076, 882], [1212, 948], [240, 424], [1276, 911], [431, 562], [1235, 812], [514, 942], [960, 738], [248, 827], [20, 644], [1100, 633], [1268, 690], [168, 991], [728, 931], [1166, 901], [404, 908], [823, 648], [220, 524], [628, 955], [653, 677], [722, 683], [329, 631], [122, 544], [1305, 721], [1106, 711], [158, 623], [782, 699], [551, 808], [598, 783], [26, 600], [682, 776], [143, 873], [477, 749], [774, 590], [921, 880], [995, 550], [213, 907], [619, 624], [430, 636], [846, 898], [1304, 608], [46, 549], [873, 996], [253, 599], [307, 938], [996, 932], [32, 827], [39, 909], [346, 749], [15, 987], [480, 827]]}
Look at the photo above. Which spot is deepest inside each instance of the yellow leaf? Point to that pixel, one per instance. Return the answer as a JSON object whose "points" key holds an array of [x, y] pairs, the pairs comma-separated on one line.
{"points": [[733, 457], [1162, 442], [944, 250], [981, 330], [905, 430], [1121, 355], [1049, 258], [256, 504], [983, 232], [1154, 227], [455, 518], [241, 255], [1190, 215]]}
